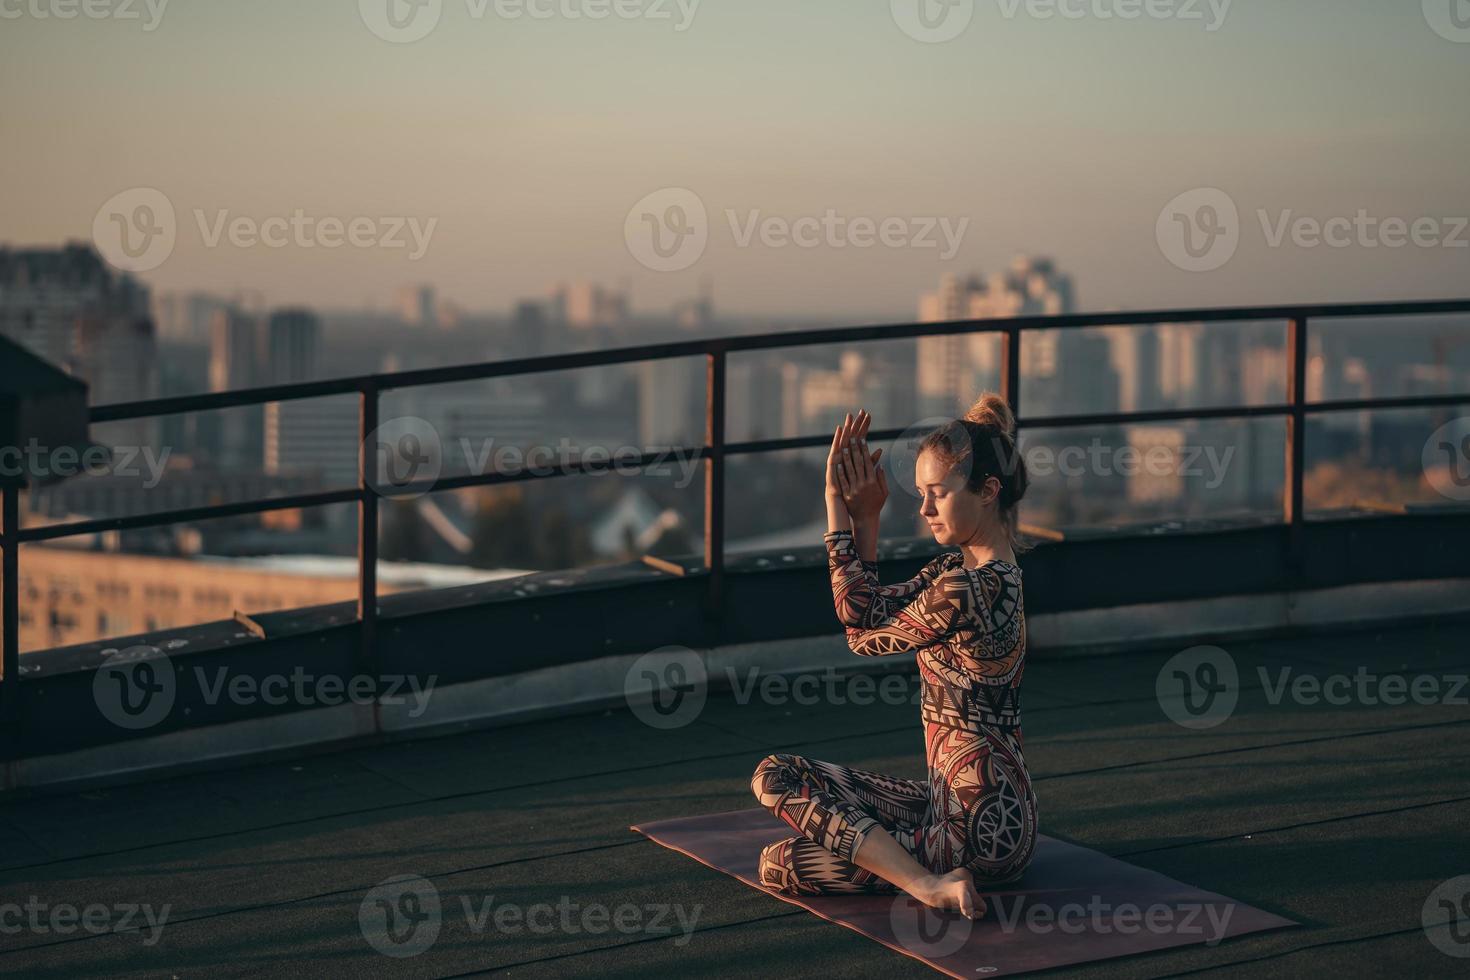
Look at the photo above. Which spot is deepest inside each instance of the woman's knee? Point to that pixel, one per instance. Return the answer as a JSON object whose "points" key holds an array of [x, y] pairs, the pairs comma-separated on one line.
{"points": [[774, 869], [770, 769]]}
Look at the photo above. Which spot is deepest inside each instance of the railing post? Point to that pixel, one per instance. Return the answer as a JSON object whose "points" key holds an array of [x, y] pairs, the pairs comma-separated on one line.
{"points": [[367, 532], [10, 605], [1010, 379], [1296, 436], [714, 482]]}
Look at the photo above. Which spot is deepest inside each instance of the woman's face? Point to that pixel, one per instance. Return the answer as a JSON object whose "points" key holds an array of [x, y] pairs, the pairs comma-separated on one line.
{"points": [[953, 512]]}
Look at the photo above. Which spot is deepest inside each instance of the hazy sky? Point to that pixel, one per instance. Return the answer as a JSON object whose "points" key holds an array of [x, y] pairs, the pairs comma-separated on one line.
{"points": [[528, 140]]}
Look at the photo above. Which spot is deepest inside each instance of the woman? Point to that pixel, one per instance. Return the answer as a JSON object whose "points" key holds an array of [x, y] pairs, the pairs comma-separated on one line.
{"points": [[974, 818]]}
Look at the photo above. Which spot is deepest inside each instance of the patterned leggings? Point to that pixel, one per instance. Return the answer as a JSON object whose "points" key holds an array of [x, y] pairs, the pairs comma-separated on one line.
{"points": [[977, 811]]}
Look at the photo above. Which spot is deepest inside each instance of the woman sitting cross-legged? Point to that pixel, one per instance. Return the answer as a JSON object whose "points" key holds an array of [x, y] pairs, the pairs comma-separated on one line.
{"points": [[973, 820]]}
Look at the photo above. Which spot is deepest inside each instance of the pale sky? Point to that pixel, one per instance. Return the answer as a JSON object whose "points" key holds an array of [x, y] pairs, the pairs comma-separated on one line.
{"points": [[527, 142]]}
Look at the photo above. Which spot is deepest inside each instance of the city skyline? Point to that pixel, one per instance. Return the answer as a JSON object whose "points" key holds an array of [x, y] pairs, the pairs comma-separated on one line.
{"points": [[518, 174]]}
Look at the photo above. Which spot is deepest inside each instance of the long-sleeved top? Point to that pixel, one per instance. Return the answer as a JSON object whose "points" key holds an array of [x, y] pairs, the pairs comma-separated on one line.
{"points": [[966, 625]]}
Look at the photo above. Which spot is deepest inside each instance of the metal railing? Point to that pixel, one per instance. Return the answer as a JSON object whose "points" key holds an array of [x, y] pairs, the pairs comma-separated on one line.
{"points": [[716, 450]]}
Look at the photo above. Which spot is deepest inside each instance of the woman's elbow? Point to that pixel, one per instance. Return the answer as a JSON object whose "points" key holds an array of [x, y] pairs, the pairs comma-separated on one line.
{"points": [[849, 615], [860, 642]]}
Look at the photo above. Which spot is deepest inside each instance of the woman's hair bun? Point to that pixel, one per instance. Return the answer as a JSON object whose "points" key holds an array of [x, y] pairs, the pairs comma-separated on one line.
{"points": [[991, 410]]}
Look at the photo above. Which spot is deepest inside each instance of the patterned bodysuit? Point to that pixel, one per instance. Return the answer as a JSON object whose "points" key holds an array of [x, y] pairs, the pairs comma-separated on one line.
{"points": [[977, 809]]}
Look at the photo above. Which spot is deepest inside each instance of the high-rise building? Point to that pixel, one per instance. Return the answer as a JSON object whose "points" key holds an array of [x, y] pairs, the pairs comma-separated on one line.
{"points": [[589, 304], [316, 437], [1180, 367], [953, 369], [821, 398], [418, 305], [293, 339], [1135, 357], [696, 314], [753, 400], [69, 307], [188, 318], [234, 363], [234, 350], [671, 396]]}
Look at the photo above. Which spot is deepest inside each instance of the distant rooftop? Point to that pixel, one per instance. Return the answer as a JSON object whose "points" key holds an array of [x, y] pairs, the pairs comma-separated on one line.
{"points": [[398, 573]]}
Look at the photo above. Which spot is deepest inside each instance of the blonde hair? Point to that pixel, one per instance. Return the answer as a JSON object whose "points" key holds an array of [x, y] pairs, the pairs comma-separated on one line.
{"points": [[985, 438]]}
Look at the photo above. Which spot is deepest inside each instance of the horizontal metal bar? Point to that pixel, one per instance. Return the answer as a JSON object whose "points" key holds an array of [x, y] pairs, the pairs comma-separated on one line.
{"points": [[216, 400], [1388, 404], [165, 517], [771, 341], [1075, 321], [703, 452], [661, 455], [1161, 415]]}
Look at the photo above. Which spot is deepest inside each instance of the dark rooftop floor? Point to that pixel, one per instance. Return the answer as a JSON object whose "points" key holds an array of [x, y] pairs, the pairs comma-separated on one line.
{"points": [[1344, 818]]}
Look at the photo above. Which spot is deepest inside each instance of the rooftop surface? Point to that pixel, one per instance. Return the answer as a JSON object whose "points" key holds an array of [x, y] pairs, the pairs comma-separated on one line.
{"points": [[1343, 817]]}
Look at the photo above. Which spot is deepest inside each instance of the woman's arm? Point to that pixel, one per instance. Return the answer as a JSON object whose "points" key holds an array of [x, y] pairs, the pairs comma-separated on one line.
{"points": [[837, 517], [888, 619], [860, 481], [930, 617], [865, 539]]}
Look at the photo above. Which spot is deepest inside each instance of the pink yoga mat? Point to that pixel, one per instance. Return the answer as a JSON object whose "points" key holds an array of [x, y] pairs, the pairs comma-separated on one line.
{"points": [[1074, 905]]}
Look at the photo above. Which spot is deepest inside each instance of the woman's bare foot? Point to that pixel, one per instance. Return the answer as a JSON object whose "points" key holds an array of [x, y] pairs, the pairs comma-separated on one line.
{"points": [[955, 890]]}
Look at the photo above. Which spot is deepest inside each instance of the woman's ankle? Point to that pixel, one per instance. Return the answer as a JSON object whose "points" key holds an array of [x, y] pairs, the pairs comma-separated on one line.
{"points": [[924, 889]]}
